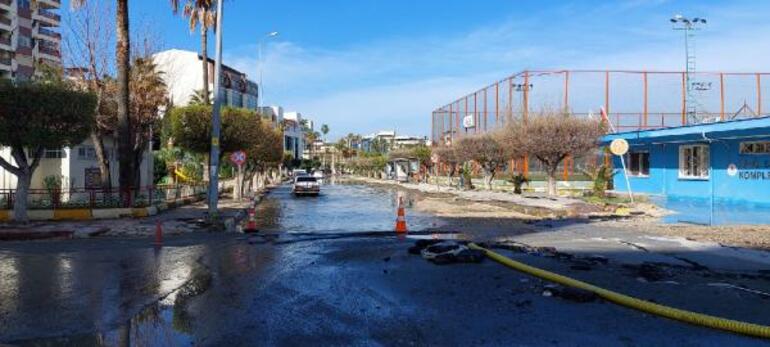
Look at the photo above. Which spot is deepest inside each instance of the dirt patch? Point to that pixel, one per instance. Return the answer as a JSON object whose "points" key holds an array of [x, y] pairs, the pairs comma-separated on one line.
{"points": [[747, 236], [470, 209]]}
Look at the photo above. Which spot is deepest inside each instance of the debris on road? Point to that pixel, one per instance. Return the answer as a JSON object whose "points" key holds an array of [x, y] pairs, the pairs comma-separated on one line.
{"points": [[446, 252], [569, 293]]}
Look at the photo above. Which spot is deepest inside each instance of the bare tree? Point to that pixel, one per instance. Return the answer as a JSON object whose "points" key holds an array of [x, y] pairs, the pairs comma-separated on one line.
{"points": [[89, 53], [550, 136], [486, 151], [448, 155]]}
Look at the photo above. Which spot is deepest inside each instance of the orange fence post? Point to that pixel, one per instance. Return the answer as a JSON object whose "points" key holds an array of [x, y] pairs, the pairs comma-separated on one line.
{"points": [[644, 119], [525, 102], [607, 93], [526, 165], [452, 121], [684, 98], [510, 99], [476, 117], [466, 109], [721, 96], [486, 115], [497, 104], [566, 90], [759, 95]]}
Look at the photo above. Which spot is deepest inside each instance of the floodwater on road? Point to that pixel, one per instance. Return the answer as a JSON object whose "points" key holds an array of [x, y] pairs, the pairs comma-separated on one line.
{"points": [[285, 287], [339, 208]]}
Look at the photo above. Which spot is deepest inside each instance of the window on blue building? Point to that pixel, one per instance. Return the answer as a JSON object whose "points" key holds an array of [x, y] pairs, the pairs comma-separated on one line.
{"points": [[694, 161], [755, 147], [638, 163]]}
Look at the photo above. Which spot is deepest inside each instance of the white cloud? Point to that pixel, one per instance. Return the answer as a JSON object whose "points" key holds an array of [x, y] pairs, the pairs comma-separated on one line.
{"points": [[396, 83]]}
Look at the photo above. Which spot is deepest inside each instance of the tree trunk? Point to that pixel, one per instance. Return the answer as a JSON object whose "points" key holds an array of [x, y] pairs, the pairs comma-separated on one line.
{"points": [[138, 158], [204, 54], [23, 172], [552, 182], [123, 54], [489, 175], [20, 200], [103, 161]]}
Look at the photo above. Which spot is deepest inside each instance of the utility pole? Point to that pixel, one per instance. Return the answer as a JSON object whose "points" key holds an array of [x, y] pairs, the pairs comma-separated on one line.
{"points": [[215, 120], [261, 88], [689, 27]]}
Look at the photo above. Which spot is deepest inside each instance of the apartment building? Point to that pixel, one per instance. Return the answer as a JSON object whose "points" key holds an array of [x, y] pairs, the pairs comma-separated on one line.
{"points": [[182, 73], [294, 134], [28, 37]]}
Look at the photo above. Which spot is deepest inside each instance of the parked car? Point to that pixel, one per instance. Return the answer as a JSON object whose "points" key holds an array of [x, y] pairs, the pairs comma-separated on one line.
{"points": [[298, 172], [306, 185], [318, 174]]}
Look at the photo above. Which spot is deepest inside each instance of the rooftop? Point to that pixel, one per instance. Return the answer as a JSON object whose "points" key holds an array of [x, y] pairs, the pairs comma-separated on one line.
{"points": [[704, 131]]}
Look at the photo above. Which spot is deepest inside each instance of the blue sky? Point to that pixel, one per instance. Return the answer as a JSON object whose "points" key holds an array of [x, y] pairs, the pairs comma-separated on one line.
{"points": [[365, 65]]}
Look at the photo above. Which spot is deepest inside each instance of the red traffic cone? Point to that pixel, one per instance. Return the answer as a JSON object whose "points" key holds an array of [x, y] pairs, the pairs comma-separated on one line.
{"points": [[251, 225], [400, 218], [158, 234]]}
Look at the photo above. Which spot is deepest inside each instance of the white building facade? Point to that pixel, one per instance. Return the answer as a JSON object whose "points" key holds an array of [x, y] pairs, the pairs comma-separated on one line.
{"points": [[76, 167], [182, 73]]}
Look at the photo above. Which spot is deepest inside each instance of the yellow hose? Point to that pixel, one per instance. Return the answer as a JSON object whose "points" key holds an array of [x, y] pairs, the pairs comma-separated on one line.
{"points": [[730, 325]]}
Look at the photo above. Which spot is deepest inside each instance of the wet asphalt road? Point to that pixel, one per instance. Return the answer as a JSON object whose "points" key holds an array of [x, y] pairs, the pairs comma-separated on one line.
{"points": [[293, 288]]}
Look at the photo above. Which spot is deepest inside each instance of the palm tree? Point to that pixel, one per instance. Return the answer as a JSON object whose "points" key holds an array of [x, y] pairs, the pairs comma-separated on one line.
{"points": [[200, 12], [310, 137], [325, 130], [199, 96], [123, 64]]}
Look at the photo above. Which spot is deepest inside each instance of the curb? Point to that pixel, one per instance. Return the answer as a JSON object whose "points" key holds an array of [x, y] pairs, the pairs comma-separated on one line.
{"points": [[82, 214], [20, 235]]}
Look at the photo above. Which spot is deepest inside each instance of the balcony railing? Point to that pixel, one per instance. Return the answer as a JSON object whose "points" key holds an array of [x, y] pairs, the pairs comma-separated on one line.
{"points": [[5, 61], [49, 33], [49, 51], [6, 21], [49, 15], [5, 2], [5, 41]]}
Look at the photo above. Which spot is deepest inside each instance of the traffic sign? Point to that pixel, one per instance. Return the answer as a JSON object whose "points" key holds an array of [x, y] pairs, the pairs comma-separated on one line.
{"points": [[238, 157], [619, 146]]}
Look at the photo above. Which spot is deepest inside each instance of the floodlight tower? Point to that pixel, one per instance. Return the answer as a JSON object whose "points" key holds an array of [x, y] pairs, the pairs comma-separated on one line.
{"points": [[689, 27]]}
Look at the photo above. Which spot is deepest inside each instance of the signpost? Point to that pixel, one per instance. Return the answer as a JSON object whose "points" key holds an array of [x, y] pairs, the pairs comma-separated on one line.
{"points": [[238, 158], [619, 147]]}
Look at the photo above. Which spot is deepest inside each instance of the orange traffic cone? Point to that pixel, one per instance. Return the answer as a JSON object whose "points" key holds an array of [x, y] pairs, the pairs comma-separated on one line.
{"points": [[400, 219], [158, 234]]}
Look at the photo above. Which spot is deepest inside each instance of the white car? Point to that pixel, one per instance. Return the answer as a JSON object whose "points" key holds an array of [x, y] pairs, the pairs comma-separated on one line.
{"points": [[306, 185], [318, 174]]}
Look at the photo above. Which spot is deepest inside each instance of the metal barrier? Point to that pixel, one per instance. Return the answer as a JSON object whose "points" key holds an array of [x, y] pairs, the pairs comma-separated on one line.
{"points": [[101, 198], [632, 100]]}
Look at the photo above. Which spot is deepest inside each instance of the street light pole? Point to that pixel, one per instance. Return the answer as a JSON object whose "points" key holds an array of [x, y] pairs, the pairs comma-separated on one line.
{"points": [[262, 86], [689, 26], [213, 193]]}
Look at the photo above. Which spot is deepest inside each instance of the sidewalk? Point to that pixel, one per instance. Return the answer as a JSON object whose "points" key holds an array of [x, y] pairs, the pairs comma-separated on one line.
{"points": [[532, 200], [181, 220]]}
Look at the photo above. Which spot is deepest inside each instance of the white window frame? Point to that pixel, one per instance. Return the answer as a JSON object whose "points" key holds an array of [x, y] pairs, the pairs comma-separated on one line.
{"points": [[51, 153], [744, 148], [703, 164], [628, 164], [87, 153]]}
